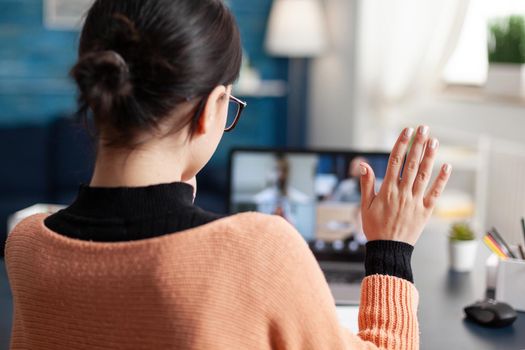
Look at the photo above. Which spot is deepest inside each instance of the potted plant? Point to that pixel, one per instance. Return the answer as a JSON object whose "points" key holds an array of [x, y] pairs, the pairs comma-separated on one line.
{"points": [[462, 247], [506, 54]]}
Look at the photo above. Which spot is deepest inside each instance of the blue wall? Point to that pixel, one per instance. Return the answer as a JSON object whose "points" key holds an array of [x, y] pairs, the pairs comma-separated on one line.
{"points": [[34, 63]]}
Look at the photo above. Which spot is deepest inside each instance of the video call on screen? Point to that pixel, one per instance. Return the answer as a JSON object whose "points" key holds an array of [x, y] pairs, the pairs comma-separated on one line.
{"points": [[318, 193]]}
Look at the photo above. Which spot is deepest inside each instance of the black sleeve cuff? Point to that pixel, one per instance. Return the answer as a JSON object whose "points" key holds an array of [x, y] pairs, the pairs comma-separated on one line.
{"points": [[389, 258]]}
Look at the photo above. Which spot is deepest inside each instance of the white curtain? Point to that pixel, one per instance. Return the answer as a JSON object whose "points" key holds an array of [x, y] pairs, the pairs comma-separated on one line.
{"points": [[403, 46]]}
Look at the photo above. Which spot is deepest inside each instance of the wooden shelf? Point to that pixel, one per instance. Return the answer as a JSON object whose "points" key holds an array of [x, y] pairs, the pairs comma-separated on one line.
{"points": [[265, 88], [477, 94]]}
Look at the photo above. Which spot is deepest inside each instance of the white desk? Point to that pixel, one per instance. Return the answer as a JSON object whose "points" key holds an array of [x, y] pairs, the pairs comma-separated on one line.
{"points": [[348, 317]]}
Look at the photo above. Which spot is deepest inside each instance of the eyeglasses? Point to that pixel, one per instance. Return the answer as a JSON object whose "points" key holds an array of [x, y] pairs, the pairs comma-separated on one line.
{"points": [[235, 108]]}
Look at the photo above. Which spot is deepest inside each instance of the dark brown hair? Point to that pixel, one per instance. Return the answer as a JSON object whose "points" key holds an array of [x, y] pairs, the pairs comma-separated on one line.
{"points": [[139, 59]]}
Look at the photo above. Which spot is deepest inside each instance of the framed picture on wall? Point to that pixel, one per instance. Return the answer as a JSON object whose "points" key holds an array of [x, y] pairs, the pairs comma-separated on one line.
{"points": [[65, 14]]}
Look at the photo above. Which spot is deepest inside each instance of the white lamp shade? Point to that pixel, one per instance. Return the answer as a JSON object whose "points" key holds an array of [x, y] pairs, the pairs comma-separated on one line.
{"points": [[296, 28]]}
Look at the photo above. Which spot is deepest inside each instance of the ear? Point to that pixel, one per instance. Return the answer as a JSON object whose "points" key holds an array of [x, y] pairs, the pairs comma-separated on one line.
{"points": [[212, 109]]}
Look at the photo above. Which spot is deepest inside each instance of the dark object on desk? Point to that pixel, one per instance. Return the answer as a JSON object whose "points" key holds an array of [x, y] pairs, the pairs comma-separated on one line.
{"points": [[491, 313]]}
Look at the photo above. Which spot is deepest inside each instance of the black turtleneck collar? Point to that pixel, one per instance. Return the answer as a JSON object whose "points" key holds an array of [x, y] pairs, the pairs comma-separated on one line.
{"points": [[132, 202], [129, 213]]}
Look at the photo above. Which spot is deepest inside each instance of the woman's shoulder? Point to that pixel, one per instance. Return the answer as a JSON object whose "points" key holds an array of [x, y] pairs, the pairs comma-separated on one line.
{"points": [[27, 225], [257, 234], [259, 220], [268, 243], [263, 226], [246, 233], [22, 236]]}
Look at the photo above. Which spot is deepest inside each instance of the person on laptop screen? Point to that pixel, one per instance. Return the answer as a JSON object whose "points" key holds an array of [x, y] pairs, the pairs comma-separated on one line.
{"points": [[279, 196], [349, 189], [133, 264]]}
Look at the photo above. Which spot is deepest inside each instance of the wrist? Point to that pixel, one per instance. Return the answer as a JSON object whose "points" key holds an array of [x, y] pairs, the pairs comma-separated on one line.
{"points": [[391, 258]]}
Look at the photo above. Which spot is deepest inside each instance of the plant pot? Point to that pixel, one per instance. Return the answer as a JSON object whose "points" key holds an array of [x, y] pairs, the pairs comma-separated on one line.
{"points": [[462, 255], [506, 79]]}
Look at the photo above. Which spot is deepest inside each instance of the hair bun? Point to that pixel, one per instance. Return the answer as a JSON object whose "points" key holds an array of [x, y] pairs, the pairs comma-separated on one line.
{"points": [[103, 77], [176, 52]]}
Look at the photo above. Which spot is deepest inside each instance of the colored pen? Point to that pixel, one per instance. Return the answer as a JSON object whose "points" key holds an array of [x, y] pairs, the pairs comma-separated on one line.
{"points": [[498, 243], [502, 242], [492, 245], [523, 228], [522, 252]]}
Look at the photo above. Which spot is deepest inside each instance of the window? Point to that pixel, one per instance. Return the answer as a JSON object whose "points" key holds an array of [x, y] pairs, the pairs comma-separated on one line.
{"points": [[468, 63]]}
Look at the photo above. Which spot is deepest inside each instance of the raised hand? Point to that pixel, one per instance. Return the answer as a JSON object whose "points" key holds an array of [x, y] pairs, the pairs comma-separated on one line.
{"points": [[403, 206]]}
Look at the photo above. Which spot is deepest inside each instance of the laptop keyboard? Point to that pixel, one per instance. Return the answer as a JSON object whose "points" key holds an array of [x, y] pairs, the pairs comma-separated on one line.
{"points": [[338, 276]]}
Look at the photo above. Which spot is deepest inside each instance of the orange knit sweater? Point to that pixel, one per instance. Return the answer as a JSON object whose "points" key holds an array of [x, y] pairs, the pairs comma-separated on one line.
{"points": [[244, 282]]}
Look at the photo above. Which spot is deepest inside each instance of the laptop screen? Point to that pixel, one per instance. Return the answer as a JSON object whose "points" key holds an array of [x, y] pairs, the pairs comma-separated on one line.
{"points": [[318, 192]]}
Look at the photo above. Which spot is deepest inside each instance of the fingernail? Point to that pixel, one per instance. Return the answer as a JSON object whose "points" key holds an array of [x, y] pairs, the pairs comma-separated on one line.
{"points": [[447, 168], [409, 132], [364, 170], [423, 130], [434, 143]]}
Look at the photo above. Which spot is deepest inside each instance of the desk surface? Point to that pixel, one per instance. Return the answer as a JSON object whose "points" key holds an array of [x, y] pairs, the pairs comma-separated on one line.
{"points": [[443, 294]]}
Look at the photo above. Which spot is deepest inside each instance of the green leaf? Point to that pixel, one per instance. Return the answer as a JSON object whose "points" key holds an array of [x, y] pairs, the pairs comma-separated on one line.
{"points": [[506, 42], [461, 231]]}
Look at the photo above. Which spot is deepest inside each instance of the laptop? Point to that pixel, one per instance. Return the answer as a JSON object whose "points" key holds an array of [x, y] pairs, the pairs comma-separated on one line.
{"points": [[318, 192]]}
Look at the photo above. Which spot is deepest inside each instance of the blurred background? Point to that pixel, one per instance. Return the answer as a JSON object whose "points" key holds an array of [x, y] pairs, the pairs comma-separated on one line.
{"points": [[317, 73], [331, 74]]}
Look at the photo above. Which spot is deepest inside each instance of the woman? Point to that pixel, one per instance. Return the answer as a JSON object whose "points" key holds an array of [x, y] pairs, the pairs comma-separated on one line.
{"points": [[132, 264]]}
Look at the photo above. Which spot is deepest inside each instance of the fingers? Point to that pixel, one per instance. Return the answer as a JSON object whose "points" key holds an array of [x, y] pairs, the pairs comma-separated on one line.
{"points": [[368, 180], [413, 161], [397, 156], [437, 187], [425, 168]]}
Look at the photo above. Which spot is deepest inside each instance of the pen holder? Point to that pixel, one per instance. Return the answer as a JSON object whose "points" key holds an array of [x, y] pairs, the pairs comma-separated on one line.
{"points": [[510, 283]]}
